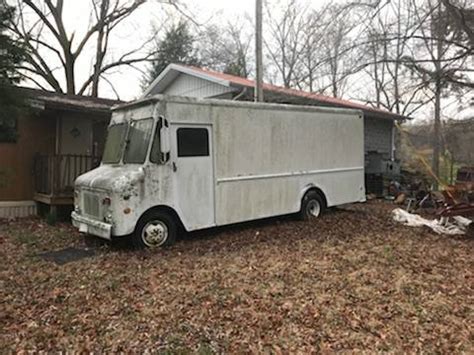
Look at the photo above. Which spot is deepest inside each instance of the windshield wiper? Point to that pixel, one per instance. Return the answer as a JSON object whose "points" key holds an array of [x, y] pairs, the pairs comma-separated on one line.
{"points": [[127, 144]]}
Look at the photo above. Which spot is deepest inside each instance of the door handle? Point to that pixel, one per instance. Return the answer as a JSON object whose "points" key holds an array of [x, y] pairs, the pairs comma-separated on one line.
{"points": [[175, 167]]}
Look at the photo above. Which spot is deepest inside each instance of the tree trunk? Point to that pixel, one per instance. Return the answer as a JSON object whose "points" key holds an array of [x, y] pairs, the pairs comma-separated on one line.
{"points": [[376, 74], [100, 48], [69, 71], [97, 65], [436, 128], [439, 33]]}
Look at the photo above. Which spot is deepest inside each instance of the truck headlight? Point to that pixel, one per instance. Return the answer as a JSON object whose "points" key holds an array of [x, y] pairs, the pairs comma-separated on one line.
{"points": [[108, 218]]}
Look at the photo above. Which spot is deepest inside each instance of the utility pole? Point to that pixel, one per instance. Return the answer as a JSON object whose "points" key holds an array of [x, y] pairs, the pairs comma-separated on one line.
{"points": [[258, 51]]}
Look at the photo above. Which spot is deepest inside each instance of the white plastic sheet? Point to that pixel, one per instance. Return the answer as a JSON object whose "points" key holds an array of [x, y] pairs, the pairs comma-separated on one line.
{"points": [[440, 226]]}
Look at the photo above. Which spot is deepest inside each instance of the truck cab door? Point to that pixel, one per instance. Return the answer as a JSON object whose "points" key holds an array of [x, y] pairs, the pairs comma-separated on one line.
{"points": [[192, 161]]}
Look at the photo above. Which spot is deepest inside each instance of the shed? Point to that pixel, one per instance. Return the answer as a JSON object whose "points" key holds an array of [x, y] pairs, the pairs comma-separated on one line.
{"points": [[381, 161], [59, 137]]}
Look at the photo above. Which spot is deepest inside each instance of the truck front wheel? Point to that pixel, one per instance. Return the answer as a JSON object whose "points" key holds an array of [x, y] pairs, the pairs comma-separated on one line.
{"points": [[312, 206], [155, 229]]}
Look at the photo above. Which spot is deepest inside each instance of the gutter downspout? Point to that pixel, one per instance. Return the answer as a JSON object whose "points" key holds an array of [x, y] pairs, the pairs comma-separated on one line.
{"points": [[242, 93]]}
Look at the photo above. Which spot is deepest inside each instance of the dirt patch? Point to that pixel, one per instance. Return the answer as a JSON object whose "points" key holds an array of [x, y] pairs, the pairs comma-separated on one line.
{"points": [[353, 280], [67, 255]]}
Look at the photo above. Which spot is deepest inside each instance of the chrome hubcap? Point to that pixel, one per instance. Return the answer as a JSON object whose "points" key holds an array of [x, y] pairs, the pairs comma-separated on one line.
{"points": [[154, 233], [314, 208]]}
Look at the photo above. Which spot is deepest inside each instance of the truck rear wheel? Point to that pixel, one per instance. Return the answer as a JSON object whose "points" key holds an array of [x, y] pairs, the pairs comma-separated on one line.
{"points": [[156, 229], [312, 206]]}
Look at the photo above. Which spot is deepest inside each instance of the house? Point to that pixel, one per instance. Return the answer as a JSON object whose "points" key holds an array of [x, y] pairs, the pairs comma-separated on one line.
{"points": [[381, 162], [58, 138]]}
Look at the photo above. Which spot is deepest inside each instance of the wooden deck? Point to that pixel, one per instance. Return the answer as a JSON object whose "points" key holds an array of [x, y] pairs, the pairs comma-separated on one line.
{"points": [[54, 176]]}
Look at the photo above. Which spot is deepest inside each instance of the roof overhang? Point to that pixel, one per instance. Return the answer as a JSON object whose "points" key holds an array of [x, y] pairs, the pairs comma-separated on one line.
{"points": [[60, 105], [41, 100], [368, 111]]}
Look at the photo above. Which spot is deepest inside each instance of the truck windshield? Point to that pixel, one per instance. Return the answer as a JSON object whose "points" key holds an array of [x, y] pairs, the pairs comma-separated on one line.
{"points": [[113, 144], [138, 141]]}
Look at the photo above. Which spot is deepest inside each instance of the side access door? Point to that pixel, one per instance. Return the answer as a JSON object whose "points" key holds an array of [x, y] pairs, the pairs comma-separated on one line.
{"points": [[191, 157]]}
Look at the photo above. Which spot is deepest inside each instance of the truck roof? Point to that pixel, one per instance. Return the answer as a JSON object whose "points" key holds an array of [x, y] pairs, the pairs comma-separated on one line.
{"points": [[232, 103]]}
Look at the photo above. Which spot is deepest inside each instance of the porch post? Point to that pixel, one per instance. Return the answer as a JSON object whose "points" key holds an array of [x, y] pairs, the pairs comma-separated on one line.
{"points": [[57, 147]]}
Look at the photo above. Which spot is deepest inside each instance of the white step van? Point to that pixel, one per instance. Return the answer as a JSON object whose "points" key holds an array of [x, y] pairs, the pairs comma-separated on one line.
{"points": [[173, 162]]}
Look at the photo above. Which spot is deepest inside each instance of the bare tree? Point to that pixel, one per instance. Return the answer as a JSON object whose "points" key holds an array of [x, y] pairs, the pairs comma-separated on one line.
{"points": [[238, 50], [337, 45], [432, 36], [438, 58], [40, 25], [285, 26], [416, 51], [227, 48], [335, 48], [377, 49], [389, 33], [311, 57], [462, 17]]}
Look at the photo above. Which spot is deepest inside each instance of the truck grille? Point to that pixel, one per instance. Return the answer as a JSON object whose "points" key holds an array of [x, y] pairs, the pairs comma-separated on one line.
{"points": [[91, 205]]}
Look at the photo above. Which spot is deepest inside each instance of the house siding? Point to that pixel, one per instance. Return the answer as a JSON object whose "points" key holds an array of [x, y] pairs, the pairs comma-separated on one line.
{"points": [[76, 133], [35, 135], [14, 209], [187, 85], [378, 136]]}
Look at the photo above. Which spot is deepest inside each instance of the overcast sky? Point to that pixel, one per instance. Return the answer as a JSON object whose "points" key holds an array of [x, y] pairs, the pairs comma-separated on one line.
{"points": [[138, 27]]}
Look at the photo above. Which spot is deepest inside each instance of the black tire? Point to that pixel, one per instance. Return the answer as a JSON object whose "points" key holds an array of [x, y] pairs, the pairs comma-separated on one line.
{"points": [[312, 206], [160, 223]]}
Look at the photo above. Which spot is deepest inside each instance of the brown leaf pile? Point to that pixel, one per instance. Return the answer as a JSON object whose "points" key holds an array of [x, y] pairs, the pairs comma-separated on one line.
{"points": [[353, 280]]}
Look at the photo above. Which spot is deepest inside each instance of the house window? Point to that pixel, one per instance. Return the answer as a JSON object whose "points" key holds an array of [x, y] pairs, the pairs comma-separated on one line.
{"points": [[193, 142]]}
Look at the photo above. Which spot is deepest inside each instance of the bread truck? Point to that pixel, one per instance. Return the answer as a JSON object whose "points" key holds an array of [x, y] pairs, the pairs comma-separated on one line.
{"points": [[174, 162]]}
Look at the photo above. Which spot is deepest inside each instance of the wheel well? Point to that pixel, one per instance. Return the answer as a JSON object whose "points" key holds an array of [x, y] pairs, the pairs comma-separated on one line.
{"points": [[166, 209], [319, 192]]}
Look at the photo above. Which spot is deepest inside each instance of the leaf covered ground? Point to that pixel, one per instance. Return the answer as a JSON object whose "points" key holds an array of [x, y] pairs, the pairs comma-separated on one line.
{"points": [[353, 280]]}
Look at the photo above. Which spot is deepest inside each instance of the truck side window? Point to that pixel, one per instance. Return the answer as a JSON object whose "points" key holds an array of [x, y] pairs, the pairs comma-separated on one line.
{"points": [[192, 142]]}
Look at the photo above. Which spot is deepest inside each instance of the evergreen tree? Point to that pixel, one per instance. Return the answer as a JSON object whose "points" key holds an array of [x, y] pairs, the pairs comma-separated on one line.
{"points": [[237, 68], [11, 55], [177, 46]]}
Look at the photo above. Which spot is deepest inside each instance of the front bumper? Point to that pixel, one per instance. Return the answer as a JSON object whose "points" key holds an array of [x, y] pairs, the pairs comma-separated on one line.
{"points": [[90, 226]]}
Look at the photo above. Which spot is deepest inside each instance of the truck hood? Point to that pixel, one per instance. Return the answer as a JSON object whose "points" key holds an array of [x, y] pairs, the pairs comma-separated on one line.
{"points": [[116, 178]]}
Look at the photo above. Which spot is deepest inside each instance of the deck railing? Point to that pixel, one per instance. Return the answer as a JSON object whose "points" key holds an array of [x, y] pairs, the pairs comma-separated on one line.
{"points": [[54, 175]]}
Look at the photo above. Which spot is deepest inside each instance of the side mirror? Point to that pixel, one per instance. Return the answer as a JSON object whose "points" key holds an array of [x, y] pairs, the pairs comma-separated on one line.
{"points": [[165, 146]]}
